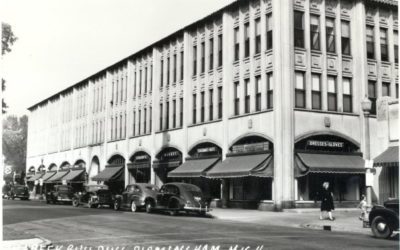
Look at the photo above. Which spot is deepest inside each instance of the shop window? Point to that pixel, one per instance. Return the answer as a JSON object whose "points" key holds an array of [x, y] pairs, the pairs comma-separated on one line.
{"points": [[211, 105], [247, 96], [347, 95], [258, 93], [237, 44], [370, 42], [269, 32], [211, 56], [203, 57], [202, 107], [258, 36], [314, 32], [372, 96], [396, 45], [220, 50], [270, 91], [298, 29], [194, 109], [330, 35], [332, 91], [345, 28], [385, 88], [194, 60], [384, 45], [316, 91], [220, 102], [300, 97], [237, 98], [246, 40]]}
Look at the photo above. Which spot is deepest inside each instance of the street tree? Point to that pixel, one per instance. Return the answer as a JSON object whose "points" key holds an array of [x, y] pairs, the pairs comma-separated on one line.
{"points": [[7, 39]]}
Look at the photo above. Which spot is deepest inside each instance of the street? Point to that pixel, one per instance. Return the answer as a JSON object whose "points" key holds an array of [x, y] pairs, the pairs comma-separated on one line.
{"points": [[69, 227]]}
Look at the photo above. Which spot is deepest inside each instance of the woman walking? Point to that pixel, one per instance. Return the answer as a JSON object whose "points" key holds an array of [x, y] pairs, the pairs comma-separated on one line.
{"points": [[326, 201]]}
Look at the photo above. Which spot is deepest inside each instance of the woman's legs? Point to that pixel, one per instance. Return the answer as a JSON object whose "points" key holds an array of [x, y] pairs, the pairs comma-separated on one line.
{"points": [[330, 215], [320, 215]]}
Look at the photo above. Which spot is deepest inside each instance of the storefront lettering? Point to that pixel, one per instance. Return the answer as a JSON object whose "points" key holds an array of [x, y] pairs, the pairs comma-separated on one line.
{"points": [[330, 144], [141, 157], [254, 147], [206, 150]]}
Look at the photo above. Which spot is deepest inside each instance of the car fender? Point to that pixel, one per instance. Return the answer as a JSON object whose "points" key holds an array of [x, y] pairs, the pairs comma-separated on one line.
{"points": [[391, 217], [179, 200]]}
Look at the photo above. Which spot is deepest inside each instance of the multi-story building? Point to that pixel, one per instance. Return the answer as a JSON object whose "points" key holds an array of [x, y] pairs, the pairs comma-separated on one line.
{"points": [[257, 103]]}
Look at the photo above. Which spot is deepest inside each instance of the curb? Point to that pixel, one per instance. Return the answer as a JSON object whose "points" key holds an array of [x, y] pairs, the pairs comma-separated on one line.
{"points": [[334, 229], [27, 243]]}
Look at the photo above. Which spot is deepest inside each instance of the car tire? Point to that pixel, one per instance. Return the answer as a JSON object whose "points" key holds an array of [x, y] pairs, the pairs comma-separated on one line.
{"points": [[149, 206], [133, 207], [380, 228], [90, 204], [202, 213], [116, 205], [75, 202]]}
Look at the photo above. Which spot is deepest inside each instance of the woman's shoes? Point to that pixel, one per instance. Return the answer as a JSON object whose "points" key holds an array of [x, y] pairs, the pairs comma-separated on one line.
{"points": [[332, 219]]}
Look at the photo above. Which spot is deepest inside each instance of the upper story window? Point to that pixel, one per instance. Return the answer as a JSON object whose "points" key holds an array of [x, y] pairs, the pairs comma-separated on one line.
{"points": [[194, 60], [173, 113], [174, 69], [316, 91], [246, 40], [203, 60], [202, 108], [384, 45], [182, 63], [370, 42], [385, 88], [270, 90], [300, 93], [330, 35], [347, 95], [258, 93], [145, 80], [211, 105], [237, 44], [314, 32], [211, 56], [140, 83], [161, 116], [345, 30], [194, 109], [269, 31], [397, 90], [181, 111], [258, 36], [219, 102], [161, 73], [396, 45], [219, 50], [167, 116], [372, 95], [247, 95], [236, 98], [168, 69], [298, 29], [151, 78], [332, 97]]}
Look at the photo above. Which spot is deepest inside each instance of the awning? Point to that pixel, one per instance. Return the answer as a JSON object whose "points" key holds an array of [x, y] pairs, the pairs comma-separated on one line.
{"points": [[242, 166], [57, 177], [74, 175], [166, 164], [389, 158], [110, 173], [36, 176], [29, 175], [193, 168], [328, 163], [47, 175], [137, 165]]}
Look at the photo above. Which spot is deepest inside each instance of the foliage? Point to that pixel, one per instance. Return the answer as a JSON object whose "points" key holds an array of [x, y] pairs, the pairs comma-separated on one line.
{"points": [[7, 39]]}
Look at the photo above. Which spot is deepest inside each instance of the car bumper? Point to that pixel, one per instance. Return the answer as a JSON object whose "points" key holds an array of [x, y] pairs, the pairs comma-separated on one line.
{"points": [[197, 209], [64, 199]]}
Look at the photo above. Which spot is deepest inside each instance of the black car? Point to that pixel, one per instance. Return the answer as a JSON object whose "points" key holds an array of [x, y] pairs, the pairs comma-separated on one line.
{"points": [[177, 197], [60, 193], [136, 196], [385, 219], [93, 196], [18, 191]]}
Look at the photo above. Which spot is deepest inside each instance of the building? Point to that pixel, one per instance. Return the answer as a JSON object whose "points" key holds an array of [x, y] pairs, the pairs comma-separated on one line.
{"points": [[257, 103]]}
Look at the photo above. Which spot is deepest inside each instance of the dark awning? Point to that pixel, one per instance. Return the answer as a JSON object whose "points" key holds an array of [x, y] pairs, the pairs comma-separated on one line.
{"points": [[193, 168], [110, 173], [389, 158], [242, 166], [328, 163], [137, 165], [47, 175], [36, 176], [166, 164], [57, 177], [74, 175]]}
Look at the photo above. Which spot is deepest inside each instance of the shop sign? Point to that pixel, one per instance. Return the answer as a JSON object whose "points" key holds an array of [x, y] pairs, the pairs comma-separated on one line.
{"points": [[254, 147], [206, 150], [329, 144], [171, 154], [141, 157]]}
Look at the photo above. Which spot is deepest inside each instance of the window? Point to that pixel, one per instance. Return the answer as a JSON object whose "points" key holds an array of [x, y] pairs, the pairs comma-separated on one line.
{"points": [[237, 98], [384, 45], [258, 36], [300, 97], [116, 127], [202, 107], [168, 67], [174, 114], [211, 56], [194, 60], [246, 40], [370, 42], [181, 75], [330, 35], [140, 82], [161, 73], [372, 96], [174, 69], [314, 32], [332, 98], [258, 93], [134, 124], [347, 95], [140, 123], [181, 112], [385, 88], [220, 50], [246, 96], [220, 102], [211, 105], [270, 91], [397, 90], [167, 117], [151, 78], [346, 47], [161, 116], [316, 91], [236, 37], [269, 31], [396, 45], [145, 121], [151, 119], [203, 60], [194, 109], [298, 29], [145, 80]]}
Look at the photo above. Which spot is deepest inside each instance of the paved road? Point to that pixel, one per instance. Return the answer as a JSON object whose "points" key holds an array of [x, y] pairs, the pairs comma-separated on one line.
{"points": [[77, 228]]}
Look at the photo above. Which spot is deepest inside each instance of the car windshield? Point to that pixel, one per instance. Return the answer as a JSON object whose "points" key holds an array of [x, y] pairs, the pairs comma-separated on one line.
{"points": [[21, 188], [61, 188], [95, 188], [152, 188]]}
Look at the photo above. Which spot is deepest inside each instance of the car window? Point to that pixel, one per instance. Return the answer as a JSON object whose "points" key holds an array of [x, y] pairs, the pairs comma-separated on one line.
{"points": [[171, 190], [63, 188], [152, 188]]}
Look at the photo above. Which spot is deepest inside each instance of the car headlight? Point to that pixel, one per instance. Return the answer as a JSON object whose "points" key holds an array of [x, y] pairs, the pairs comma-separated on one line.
{"points": [[196, 198]]}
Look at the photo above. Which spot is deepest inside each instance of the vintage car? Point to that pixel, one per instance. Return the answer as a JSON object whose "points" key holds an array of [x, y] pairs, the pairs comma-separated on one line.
{"points": [[60, 194], [136, 196], [384, 219], [93, 196], [18, 191], [177, 197]]}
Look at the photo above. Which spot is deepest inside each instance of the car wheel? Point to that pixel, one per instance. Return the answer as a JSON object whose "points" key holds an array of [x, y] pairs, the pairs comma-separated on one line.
{"points": [[380, 228], [133, 207], [202, 213], [90, 204], [75, 202], [149, 206], [116, 205]]}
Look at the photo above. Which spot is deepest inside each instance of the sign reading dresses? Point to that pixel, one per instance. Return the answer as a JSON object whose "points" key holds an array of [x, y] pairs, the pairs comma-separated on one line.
{"points": [[328, 144]]}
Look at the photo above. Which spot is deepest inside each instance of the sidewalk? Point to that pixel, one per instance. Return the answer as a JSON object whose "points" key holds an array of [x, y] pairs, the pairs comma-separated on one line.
{"points": [[346, 219], [23, 240]]}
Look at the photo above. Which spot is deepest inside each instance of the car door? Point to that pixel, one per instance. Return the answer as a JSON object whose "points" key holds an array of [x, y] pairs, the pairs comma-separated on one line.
{"points": [[161, 196], [125, 196], [135, 194]]}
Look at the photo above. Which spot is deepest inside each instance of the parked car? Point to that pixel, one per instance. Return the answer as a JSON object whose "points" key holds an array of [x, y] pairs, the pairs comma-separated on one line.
{"points": [[6, 190], [136, 196], [93, 196], [18, 191], [177, 197], [60, 193], [385, 219]]}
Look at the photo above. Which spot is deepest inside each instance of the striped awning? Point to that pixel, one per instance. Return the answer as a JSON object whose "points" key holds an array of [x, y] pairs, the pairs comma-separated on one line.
{"points": [[110, 173], [389, 158], [193, 168], [75, 175], [57, 177], [36, 176], [48, 175]]}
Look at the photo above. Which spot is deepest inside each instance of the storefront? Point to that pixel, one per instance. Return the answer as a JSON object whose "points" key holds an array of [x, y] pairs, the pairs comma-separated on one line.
{"points": [[246, 174], [167, 160], [202, 158], [388, 161], [113, 175], [76, 178], [140, 168], [328, 158], [33, 181]]}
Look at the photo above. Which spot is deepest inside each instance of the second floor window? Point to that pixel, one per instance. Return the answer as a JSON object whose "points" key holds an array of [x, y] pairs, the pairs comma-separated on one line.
{"points": [[219, 50], [298, 29], [314, 32], [396, 45], [211, 56], [270, 91], [370, 42], [194, 109], [237, 44], [194, 60], [161, 73], [174, 69], [384, 45], [167, 117], [211, 105], [330, 35], [269, 31], [258, 36], [161, 116], [345, 28], [181, 73], [203, 59], [332, 90], [258, 93], [237, 98], [246, 40], [181, 112], [347, 95], [220, 102], [385, 88], [202, 108], [174, 114], [145, 121], [372, 96], [246, 96], [316, 91], [168, 69], [300, 93]]}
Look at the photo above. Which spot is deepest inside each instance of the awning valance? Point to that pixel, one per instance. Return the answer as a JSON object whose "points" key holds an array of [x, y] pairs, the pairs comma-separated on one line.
{"points": [[114, 173], [166, 164], [243, 166], [36, 176], [193, 168], [328, 163], [57, 177], [47, 175], [389, 158], [74, 176]]}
